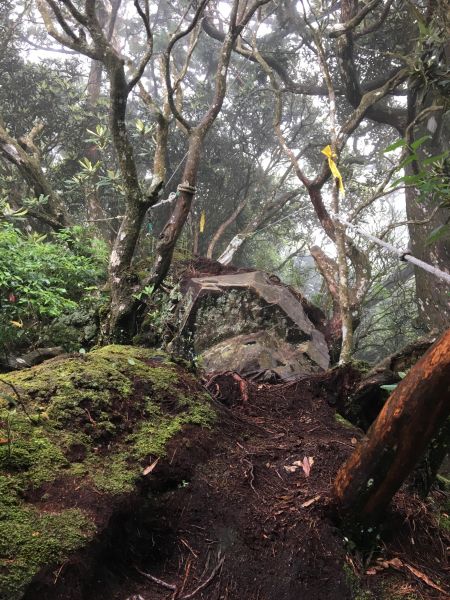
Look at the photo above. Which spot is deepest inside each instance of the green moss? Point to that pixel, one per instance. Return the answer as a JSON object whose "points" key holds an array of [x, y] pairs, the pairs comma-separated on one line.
{"points": [[96, 419], [354, 583], [443, 515], [30, 540], [444, 482], [361, 365], [114, 475], [40, 540]]}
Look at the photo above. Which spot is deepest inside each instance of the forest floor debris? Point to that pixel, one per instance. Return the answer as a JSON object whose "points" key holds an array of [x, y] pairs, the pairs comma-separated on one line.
{"points": [[239, 526]]}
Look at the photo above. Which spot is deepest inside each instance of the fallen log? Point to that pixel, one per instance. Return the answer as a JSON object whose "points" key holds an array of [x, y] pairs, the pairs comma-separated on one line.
{"points": [[409, 420]]}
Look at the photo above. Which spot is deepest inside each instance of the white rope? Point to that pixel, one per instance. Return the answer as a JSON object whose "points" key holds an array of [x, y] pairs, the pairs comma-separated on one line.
{"points": [[177, 167], [172, 195], [402, 254], [171, 198]]}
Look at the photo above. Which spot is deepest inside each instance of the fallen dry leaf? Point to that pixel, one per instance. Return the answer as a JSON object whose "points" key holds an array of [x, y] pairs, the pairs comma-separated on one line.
{"points": [[306, 464], [396, 563], [150, 468], [290, 468], [309, 502]]}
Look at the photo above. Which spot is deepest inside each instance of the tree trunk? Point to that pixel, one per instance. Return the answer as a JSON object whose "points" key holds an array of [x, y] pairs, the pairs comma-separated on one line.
{"points": [[227, 255], [410, 419], [223, 226], [94, 209], [172, 229], [272, 208], [432, 293]]}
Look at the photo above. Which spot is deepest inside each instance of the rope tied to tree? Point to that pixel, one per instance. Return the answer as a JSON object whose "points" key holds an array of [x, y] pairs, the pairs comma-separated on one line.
{"points": [[403, 255], [185, 187]]}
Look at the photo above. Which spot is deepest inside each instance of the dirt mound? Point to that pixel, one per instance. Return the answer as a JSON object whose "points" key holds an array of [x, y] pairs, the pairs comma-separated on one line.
{"points": [[251, 520], [78, 436]]}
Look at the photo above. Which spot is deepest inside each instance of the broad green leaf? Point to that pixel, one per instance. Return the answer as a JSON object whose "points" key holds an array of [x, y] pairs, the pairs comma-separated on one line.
{"points": [[417, 143], [389, 388], [398, 144], [434, 159], [438, 233], [411, 158]]}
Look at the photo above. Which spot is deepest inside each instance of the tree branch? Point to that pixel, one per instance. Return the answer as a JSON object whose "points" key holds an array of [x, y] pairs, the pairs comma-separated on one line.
{"points": [[342, 28]]}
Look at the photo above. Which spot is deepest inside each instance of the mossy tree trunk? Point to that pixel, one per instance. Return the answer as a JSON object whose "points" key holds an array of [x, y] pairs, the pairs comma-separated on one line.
{"points": [[238, 19], [410, 419]]}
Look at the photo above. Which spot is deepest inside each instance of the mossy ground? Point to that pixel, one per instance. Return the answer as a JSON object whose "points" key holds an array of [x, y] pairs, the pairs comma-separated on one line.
{"points": [[94, 421]]}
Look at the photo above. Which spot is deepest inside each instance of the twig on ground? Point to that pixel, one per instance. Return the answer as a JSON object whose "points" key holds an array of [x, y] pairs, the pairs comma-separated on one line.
{"points": [[178, 590], [205, 584], [164, 584]]}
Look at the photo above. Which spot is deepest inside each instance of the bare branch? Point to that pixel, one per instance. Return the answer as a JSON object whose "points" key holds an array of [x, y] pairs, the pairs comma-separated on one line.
{"points": [[342, 28], [377, 24], [149, 51], [175, 38]]}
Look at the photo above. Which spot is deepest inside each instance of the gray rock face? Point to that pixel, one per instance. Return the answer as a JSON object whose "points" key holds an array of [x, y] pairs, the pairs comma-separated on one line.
{"points": [[247, 323]]}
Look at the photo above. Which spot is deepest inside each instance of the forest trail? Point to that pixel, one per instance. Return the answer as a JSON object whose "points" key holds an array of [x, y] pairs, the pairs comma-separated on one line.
{"points": [[247, 523]]}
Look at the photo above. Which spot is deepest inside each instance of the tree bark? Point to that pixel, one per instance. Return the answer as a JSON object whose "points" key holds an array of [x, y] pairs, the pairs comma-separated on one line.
{"points": [[258, 221], [223, 226], [410, 419], [25, 155], [432, 293]]}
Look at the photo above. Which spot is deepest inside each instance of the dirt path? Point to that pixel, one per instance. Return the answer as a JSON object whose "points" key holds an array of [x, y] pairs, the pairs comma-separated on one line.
{"points": [[249, 524]]}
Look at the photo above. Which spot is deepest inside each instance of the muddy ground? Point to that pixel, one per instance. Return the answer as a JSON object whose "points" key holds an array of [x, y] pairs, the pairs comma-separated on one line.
{"points": [[232, 515]]}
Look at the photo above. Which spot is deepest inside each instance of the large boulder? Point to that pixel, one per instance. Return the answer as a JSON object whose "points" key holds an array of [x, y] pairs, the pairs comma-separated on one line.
{"points": [[250, 323]]}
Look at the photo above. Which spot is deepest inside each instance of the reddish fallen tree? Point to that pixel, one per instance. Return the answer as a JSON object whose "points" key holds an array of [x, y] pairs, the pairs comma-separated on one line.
{"points": [[408, 422]]}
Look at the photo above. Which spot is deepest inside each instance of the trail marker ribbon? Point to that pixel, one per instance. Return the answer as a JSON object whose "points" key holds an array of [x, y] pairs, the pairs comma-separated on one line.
{"points": [[202, 221], [333, 167]]}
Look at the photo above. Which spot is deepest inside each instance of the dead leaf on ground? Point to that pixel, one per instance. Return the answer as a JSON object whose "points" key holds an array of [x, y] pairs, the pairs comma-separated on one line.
{"points": [[396, 563], [304, 464], [309, 502], [307, 463], [150, 468], [290, 468]]}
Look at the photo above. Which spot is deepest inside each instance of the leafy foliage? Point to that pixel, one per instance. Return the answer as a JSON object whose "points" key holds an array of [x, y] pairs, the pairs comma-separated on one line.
{"points": [[41, 279], [431, 177]]}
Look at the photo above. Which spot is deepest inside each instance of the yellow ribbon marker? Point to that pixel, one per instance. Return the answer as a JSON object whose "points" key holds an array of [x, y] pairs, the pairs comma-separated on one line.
{"points": [[333, 167], [202, 221]]}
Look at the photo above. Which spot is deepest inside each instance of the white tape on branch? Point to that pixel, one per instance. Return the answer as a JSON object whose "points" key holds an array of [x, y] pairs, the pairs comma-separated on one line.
{"points": [[402, 255]]}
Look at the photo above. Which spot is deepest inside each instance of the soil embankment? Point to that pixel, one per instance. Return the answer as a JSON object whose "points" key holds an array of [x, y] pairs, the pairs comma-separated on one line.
{"points": [[244, 515]]}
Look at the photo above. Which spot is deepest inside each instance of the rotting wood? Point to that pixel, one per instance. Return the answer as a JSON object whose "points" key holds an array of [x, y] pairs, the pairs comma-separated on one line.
{"points": [[411, 417]]}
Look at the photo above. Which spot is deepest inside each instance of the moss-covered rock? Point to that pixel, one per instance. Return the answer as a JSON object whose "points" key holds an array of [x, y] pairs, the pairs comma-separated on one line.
{"points": [[75, 434]]}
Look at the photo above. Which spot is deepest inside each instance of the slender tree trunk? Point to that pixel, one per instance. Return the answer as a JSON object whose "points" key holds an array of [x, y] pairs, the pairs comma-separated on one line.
{"points": [[94, 209], [223, 227], [258, 221], [172, 229], [409, 420]]}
